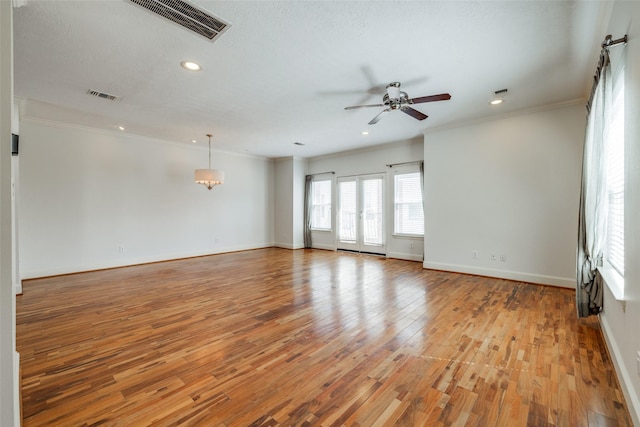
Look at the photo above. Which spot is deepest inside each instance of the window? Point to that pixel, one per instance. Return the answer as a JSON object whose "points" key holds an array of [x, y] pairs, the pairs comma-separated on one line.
{"points": [[408, 211], [614, 145], [321, 205]]}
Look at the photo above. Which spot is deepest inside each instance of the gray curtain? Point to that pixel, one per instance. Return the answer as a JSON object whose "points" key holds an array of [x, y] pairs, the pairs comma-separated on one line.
{"points": [[307, 210], [422, 182], [423, 212], [592, 217]]}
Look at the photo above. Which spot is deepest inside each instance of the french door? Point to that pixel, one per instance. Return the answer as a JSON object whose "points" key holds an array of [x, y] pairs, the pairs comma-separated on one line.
{"points": [[361, 213]]}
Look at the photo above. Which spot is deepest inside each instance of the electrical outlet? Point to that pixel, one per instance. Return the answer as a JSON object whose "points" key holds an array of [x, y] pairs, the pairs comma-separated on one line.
{"points": [[121, 249], [411, 246], [493, 257], [503, 258], [474, 254]]}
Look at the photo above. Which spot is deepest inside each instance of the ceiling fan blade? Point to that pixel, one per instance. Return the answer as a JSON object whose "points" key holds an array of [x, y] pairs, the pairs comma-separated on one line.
{"points": [[354, 107], [431, 98], [377, 118], [414, 113]]}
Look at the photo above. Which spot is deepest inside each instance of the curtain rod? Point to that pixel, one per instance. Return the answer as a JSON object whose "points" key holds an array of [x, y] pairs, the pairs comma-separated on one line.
{"points": [[321, 173], [361, 174], [404, 163], [603, 61]]}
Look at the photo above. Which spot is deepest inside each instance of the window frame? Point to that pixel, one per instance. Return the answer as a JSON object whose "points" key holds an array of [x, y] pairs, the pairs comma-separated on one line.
{"points": [[394, 204]]}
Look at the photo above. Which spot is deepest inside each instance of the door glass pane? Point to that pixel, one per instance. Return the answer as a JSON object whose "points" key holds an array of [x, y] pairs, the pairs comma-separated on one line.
{"points": [[372, 212], [347, 211]]}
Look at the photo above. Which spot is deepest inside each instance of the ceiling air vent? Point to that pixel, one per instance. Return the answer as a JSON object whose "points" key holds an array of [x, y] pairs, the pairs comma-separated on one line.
{"points": [[187, 15], [103, 95]]}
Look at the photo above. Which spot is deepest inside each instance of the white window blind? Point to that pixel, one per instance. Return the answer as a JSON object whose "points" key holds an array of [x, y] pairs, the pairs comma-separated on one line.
{"points": [[321, 205], [347, 211], [408, 212], [372, 212], [615, 177]]}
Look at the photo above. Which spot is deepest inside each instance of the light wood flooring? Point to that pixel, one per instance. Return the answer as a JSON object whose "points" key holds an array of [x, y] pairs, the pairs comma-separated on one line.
{"points": [[308, 338]]}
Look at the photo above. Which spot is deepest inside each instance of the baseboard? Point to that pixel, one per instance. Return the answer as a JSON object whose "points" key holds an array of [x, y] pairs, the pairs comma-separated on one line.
{"points": [[630, 396], [405, 256], [289, 245], [324, 247], [18, 287], [138, 261], [503, 274]]}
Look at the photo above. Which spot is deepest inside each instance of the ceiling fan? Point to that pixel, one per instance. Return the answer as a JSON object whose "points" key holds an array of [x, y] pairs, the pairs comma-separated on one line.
{"points": [[395, 99]]}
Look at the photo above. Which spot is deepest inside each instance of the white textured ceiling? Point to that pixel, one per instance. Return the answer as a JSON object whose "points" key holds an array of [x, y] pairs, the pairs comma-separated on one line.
{"points": [[285, 70]]}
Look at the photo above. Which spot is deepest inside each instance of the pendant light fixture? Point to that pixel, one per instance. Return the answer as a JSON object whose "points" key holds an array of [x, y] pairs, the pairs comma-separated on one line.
{"points": [[209, 177]]}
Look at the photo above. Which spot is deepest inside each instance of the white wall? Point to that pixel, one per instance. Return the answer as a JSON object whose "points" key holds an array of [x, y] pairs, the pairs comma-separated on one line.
{"points": [[15, 203], [507, 187], [289, 202], [299, 172], [621, 320], [9, 358], [15, 236], [86, 193], [368, 161], [283, 197]]}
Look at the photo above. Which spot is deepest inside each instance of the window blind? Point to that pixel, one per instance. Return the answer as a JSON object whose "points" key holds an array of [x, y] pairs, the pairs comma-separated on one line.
{"points": [[347, 212], [372, 215], [408, 213], [615, 177], [321, 205]]}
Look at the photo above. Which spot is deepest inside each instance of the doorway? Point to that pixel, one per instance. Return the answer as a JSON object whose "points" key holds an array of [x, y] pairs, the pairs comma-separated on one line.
{"points": [[361, 214]]}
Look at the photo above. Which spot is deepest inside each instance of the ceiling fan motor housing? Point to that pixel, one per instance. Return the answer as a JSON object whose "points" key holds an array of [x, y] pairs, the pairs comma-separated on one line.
{"points": [[396, 103]]}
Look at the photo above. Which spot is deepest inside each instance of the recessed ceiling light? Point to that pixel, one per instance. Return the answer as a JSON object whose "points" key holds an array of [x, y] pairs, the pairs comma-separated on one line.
{"points": [[498, 97], [194, 141], [364, 132], [191, 66], [121, 127]]}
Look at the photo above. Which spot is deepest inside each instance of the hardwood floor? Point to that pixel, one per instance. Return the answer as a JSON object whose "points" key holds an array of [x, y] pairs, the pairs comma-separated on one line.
{"points": [[278, 337]]}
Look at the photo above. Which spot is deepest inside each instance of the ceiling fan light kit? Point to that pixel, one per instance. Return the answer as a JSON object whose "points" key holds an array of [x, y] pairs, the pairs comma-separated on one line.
{"points": [[395, 99]]}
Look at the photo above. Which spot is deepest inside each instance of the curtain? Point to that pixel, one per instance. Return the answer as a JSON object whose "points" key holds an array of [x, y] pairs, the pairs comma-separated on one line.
{"points": [[307, 210], [424, 221], [592, 215]]}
